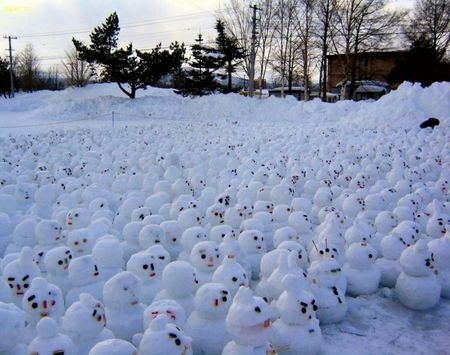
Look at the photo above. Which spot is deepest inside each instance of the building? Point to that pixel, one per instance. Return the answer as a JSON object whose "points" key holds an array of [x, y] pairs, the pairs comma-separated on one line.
{"points": [[371, 66]]}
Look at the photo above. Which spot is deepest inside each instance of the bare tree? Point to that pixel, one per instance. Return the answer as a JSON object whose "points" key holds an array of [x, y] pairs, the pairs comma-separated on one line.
{"points": [[28, 68], [238, 21], [287, 43], [77, 71], [266, 37], [431, 20], [325, 11], [361, 25]]}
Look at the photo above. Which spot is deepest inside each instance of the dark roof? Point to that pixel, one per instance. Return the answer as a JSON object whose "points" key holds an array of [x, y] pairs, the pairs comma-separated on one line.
{"points": [[372, 54]]}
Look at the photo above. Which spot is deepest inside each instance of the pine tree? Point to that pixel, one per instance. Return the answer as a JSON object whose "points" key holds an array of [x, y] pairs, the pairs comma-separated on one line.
{"points": [[4, 78], [199, 79], [230, 53], [126, 65]]}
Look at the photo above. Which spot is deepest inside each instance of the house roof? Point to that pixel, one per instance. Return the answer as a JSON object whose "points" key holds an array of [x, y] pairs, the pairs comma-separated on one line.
{"points": [[372, 54], [294, 88]]}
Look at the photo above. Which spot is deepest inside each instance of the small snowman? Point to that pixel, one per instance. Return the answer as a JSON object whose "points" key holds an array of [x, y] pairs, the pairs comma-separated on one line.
{"points": [[130, 243], [297, 332], [23, 235], [81, 241], [173, 233], [189, 238], [12, 320], [163, 337], [124, 312], [324, 277], [249, 323], [109, 255], [170, 308], [211, 304], [231, 274], [56, 263], [253, 245], [78, 218], [441, 252], [144, 266], [19, 273], [42, 299], [49, 234], [151, 234], [362, 275], [85, 278], [49, 341], [205, 257], [417, 286], [113, 347], [84, 322], [179, 284]]}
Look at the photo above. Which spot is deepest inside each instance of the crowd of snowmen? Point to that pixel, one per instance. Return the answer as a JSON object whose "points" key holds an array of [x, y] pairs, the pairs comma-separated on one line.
{"points": [[214, 238]]}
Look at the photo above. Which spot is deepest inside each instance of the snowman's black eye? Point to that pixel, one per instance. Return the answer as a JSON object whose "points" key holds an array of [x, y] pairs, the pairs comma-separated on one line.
{"points": [[60, 262], [224, 299], [315, 307], [34, 305], [145, 266], [257, 310], [370, 256], [303, 310], [203, 256], [234, 279], [178, 342]]}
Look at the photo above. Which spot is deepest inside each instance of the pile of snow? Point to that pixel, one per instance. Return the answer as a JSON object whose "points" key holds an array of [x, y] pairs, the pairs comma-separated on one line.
{"points": [[225, 223]]}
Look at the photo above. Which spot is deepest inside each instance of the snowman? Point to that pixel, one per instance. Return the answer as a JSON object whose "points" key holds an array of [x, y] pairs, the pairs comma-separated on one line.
{"points": [[189, 238], [170, 308], [49, 341], [231, 274], [205, 257], [124, 312], [253, 245], [163, 337], [12, 320], [441, 252], [435, 227], [23, 235], [301, 223], [172, 231], [179, 284], [362, 275], [417, 286], [130, 242], [217, 233], [249, 323], [211, 304], [19, 274], [85, 277], [85, 323], [56, 263], [42, 299], [113, 347], [144, 266], [151, 234], [49, 234], [78, 218], [109, 255], [297, 331], [81, 241], [324, 275]]}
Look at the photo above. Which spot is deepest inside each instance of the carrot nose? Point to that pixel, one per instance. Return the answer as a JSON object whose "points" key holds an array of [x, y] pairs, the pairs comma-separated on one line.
{"points": [[44, 304], [216, 302], [18, 287]]}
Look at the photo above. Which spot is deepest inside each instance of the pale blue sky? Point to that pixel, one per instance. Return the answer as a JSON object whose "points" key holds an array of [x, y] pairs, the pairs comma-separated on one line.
{"points": [[50, 24]]}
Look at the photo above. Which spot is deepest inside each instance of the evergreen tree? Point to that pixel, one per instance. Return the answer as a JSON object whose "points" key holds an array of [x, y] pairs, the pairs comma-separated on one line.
{"points": [[126, 65], [230, 53], [199, 79], [4, 78], [423, 63]]}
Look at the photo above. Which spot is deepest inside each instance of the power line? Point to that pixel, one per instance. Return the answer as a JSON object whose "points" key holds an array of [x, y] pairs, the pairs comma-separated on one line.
{"points": [[11, 68]]}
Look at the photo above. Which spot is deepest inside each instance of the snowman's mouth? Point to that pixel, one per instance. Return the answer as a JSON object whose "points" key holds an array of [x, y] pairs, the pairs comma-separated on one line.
{"points": [[267, 323], [44, 314], [210, 264], [96, 273], [19, 293], [152, 274], [135, 302]]}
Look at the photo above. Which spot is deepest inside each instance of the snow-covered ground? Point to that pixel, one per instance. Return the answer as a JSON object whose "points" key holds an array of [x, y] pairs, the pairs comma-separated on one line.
{"points": [[249, 150]]}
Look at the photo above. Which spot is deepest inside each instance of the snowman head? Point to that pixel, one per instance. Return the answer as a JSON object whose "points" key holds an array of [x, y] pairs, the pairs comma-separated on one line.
{"points": [[249, 319], [360, 255], [212, 301], [205, 256], [189, 218], [215, 214], [234, 216], [295, 305], [24, 233], [417, 260], [57, 260], [113, 346], [86, 316], [172, 231], [83, 271], [170, 308], [218, 233], [300, 221], [252, 242], [122, 291], [163, 337], [231, 274], [24, 192], [151, 234], [19, 273], [108, 252], [385, 222], [43, 299], [131, 232], [284, 234], [179, 279], [143, 265], [139, 214], [78, 218], [49, 232], [12, 319], [192, 236], [81, 241]]}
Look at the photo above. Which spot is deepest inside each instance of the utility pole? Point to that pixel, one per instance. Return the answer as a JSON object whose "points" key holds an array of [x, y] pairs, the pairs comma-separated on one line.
{"points": [[11, 69], [251, 74]]}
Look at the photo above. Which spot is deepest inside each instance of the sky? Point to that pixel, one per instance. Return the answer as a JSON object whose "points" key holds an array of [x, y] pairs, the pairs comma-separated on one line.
{"points": [[49, 25]]}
